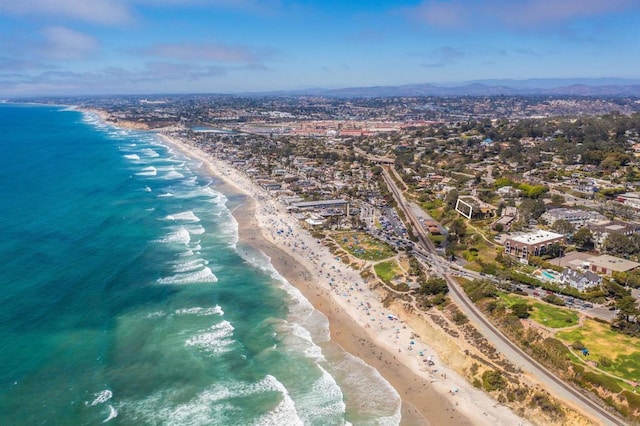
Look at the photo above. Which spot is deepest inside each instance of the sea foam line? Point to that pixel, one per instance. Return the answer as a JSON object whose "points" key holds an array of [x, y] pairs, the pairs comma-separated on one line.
{"points": [[199, 311], [215, 340], [205, 275], [215, 405]]}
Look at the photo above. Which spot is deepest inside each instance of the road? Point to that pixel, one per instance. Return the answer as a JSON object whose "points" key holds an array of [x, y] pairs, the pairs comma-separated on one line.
{"points": [[514, 354]]}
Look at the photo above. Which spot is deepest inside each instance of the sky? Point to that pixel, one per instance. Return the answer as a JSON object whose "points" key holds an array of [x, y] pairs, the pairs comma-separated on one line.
{"points": [[83, 47]]}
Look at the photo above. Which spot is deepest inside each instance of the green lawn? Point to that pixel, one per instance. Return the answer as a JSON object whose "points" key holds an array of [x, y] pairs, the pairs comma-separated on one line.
{"points": [[543, 313], [363, 246], [624, 351], [386, 270], [553, 316]]}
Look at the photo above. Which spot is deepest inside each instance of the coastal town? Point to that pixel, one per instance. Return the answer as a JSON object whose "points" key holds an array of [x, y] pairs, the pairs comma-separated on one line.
{"points": [[491, 221], [320, 213]]}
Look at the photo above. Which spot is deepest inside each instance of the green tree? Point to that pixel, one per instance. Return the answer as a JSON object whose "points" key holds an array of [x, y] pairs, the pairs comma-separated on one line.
{"points": [[451, 198], [563, 226], [457, 229], [521, 310], [617, 245], [583, 238], [434, 286], [532, 209], [628, 308]]}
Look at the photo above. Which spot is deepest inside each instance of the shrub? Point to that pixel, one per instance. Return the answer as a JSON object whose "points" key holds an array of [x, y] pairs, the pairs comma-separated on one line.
{"points": [[459, 318], [633, 400], [477, 290], [545, 404], [604, 361], [578, 345], [553, 299], [493, 380], [521, 310]]}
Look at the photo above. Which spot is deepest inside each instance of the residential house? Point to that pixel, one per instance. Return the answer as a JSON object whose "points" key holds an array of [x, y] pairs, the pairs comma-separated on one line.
{"points": [[580, 280]]}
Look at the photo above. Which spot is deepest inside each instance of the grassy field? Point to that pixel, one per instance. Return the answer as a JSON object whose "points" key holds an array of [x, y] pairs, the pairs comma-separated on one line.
{"points": [[552, 316], [363, 246], [477, 250], [543, 313], [387, 270], [623, 351]]}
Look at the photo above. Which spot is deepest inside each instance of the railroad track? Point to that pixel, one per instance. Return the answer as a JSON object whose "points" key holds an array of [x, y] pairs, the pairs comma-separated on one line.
{"points": [[494, 335]]}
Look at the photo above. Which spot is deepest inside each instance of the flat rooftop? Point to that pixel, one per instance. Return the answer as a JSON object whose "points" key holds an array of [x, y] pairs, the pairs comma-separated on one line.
{"points": [[536, 237], [320, 203], [613, 263], [573, 259]]}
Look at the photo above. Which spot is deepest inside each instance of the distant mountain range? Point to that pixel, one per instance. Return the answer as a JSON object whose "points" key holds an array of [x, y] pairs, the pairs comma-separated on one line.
{"points": [[551, 87]]}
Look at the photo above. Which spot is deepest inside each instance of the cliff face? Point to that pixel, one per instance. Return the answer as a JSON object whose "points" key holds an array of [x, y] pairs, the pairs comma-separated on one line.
{"points": [[135, 125]]}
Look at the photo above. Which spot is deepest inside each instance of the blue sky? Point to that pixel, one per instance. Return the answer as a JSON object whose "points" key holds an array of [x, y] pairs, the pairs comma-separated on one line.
{"points": [[230, 46]]}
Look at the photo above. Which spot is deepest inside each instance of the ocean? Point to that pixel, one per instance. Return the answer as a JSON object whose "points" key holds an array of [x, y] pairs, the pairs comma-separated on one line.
{"points": [[128, 299]]}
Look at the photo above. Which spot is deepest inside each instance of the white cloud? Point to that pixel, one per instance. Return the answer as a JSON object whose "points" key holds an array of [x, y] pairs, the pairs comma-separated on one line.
{"points": [[210, 52], [95, 11], [151, 77], [540, 12], [61, 43], [513, 13], [118, 12], [439, 14]]}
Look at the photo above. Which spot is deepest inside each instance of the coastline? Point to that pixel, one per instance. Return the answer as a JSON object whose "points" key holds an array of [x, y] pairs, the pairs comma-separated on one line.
{"points": [[434, 395]]}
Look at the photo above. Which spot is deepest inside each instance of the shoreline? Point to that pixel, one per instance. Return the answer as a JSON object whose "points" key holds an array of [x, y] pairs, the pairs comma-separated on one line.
{"points": [[435, 395]]}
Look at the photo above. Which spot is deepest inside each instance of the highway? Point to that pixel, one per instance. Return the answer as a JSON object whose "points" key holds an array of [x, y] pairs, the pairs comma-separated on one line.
{"points": [[515, 355]]}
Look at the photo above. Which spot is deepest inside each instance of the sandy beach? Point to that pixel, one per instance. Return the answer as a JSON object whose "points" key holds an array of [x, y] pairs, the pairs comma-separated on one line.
{"points": [[358, 321]]}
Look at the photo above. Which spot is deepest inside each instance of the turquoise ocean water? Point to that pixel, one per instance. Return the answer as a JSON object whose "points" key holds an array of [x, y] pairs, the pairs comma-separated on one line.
{"points": [[128, 299]]}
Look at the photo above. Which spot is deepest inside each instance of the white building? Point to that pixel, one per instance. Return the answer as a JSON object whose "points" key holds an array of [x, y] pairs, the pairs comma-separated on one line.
{"points": [[577, 218], [535, 244]]}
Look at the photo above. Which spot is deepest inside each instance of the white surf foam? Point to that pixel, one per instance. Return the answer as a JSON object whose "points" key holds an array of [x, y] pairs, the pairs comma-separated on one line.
{"points": [[148, 171], [113, 413], [101, 397], [166, 194], [204, 275], [298, 339], [216, 310], [191, 181], [213, 193], [180, 236], [381, 400], [215, 340], [132, 156], [263, 262], [189, 265], [171, 175], [196, 230], [214, 406], [323, 402], [285, 413], [148, 152], [187, 216]]}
